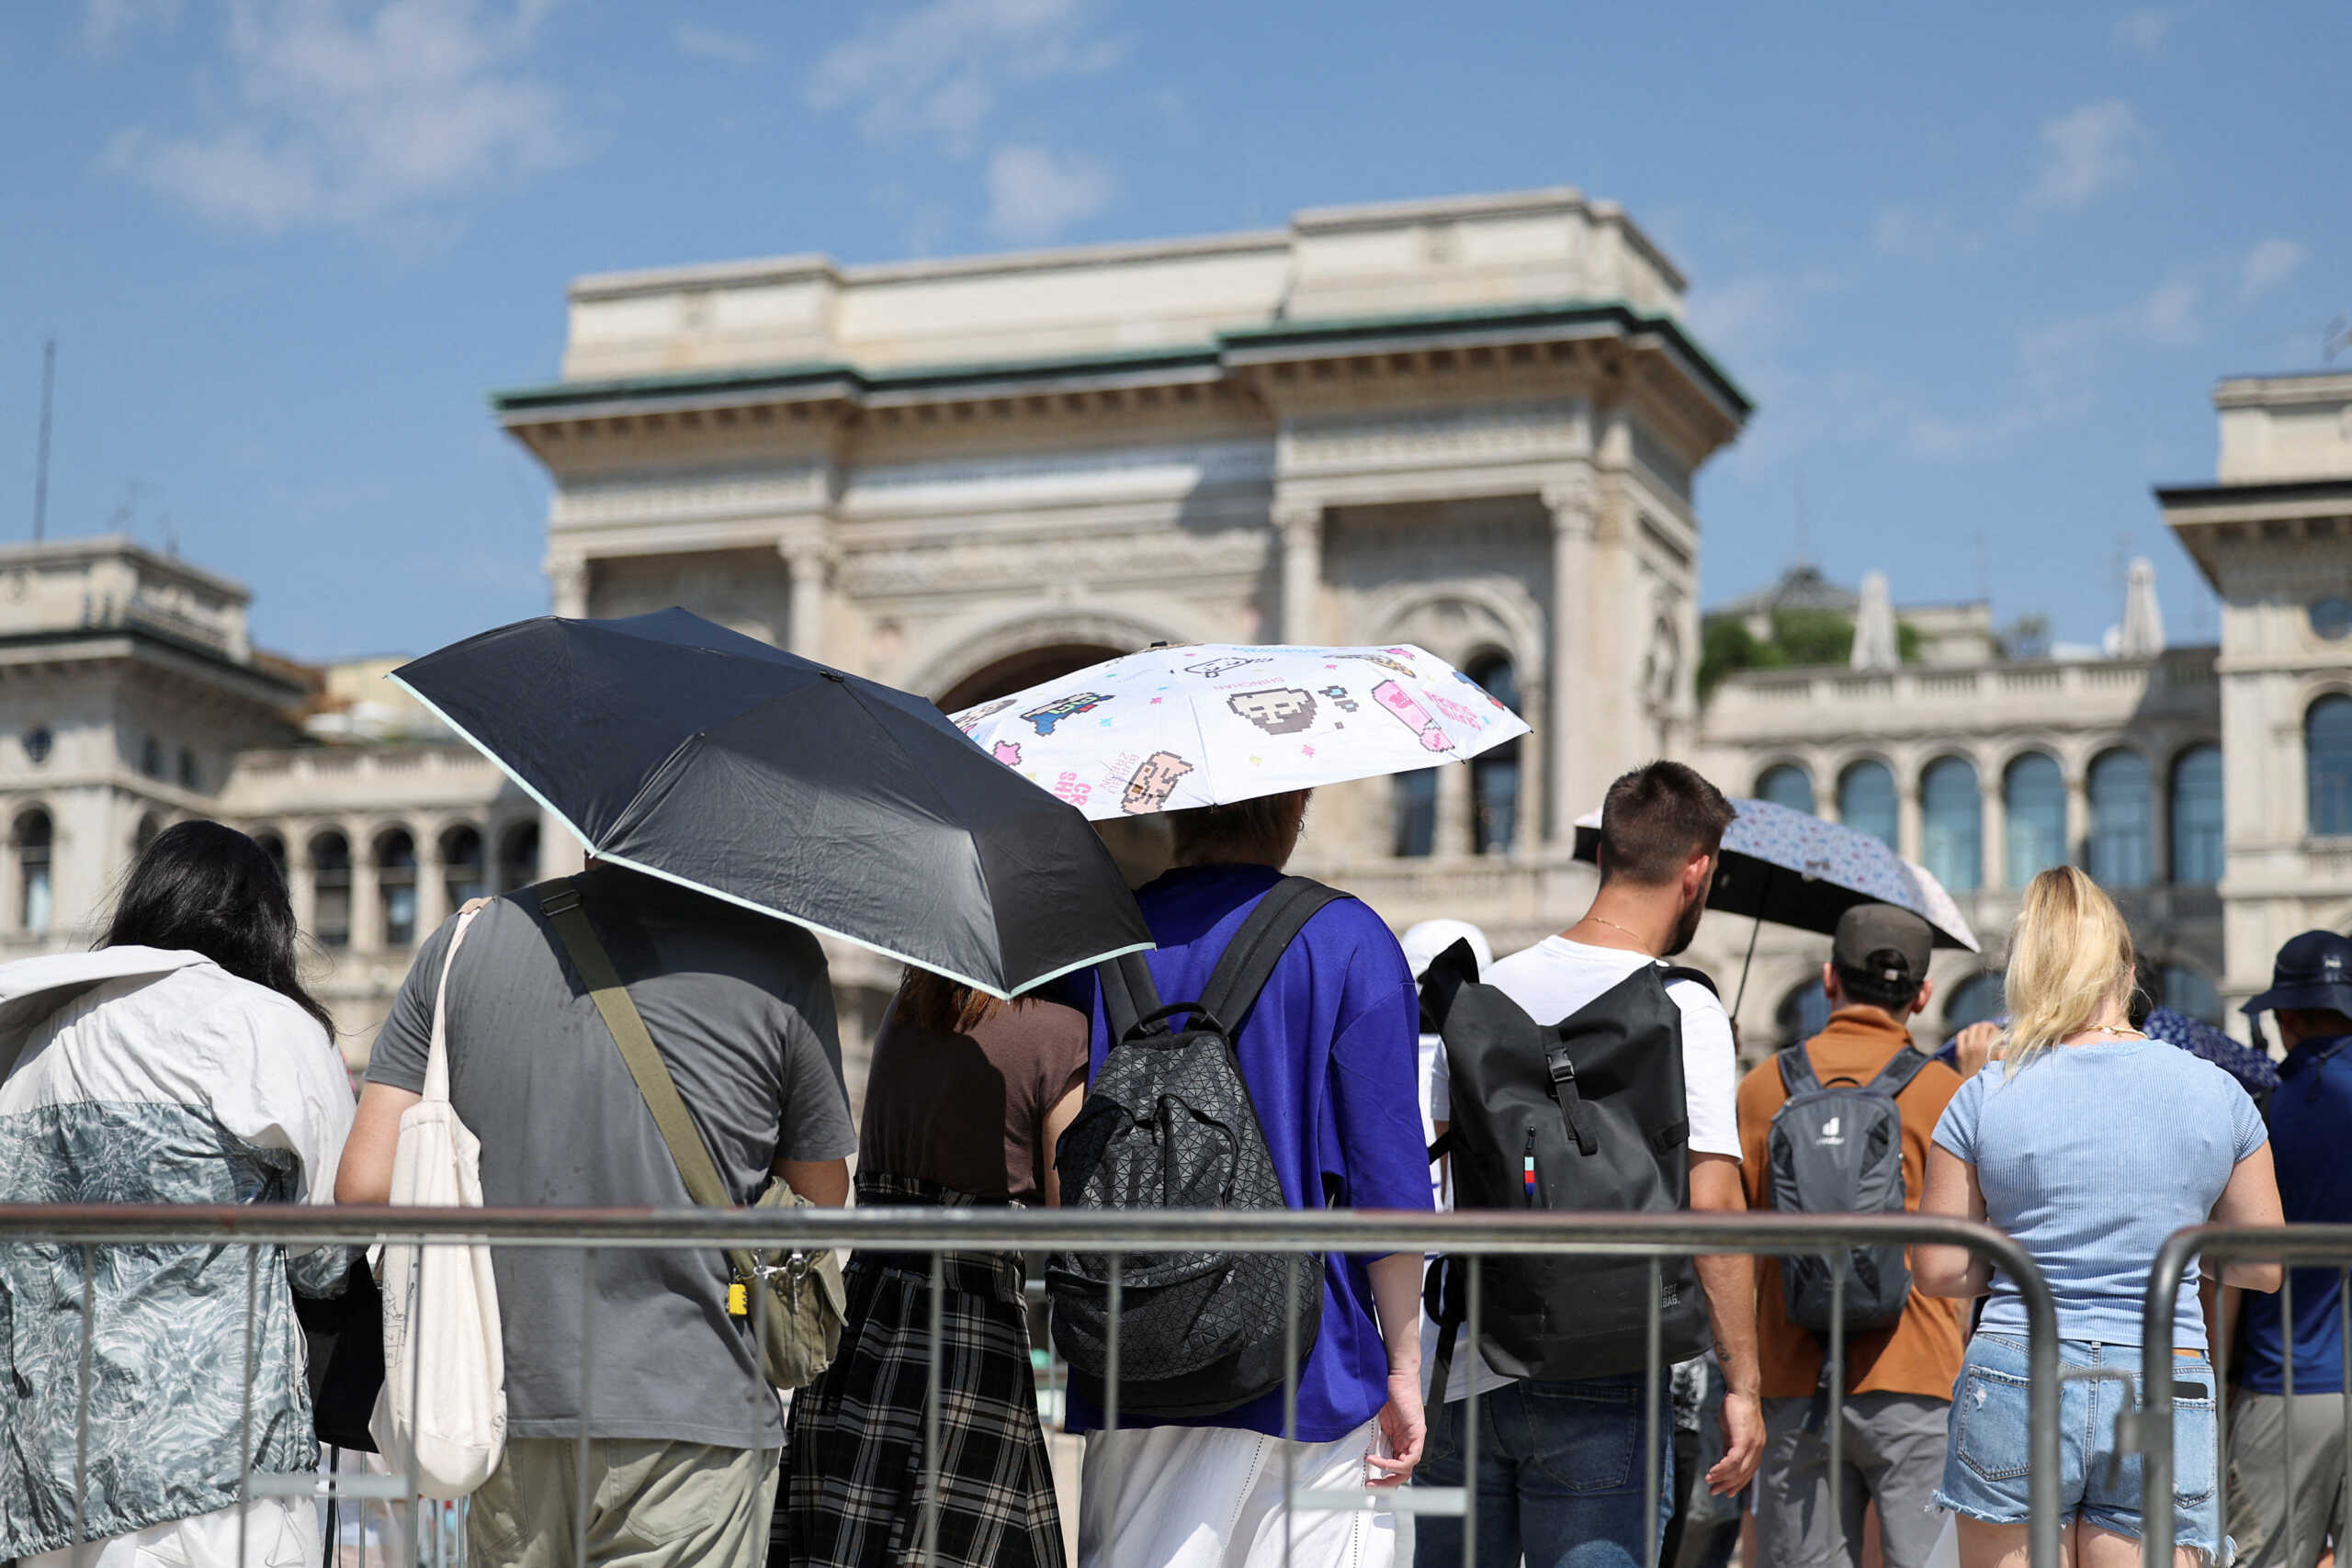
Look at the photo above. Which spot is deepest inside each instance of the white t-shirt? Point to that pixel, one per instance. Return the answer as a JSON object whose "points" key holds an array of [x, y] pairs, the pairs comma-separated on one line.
{"points": [[1553, 979]]}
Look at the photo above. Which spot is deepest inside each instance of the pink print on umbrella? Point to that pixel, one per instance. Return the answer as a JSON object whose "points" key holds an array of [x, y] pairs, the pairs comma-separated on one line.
{"points": [[1398, 701]]}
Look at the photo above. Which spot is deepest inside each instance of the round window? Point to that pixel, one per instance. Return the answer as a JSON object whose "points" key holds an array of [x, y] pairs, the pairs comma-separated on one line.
{"points": [[38, 743], [2332, 619]]}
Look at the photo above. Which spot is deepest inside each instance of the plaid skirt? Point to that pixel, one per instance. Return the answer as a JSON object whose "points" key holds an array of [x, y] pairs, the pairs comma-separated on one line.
{"points": [[855, 1490]]}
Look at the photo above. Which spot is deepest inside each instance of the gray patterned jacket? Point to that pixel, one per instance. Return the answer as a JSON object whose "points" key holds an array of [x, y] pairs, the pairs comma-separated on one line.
{"points": [[148, 1076]]}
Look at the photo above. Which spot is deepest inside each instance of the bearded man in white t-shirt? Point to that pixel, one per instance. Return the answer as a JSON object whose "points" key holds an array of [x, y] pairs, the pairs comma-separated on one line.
{"points": [[1559, 1461]]}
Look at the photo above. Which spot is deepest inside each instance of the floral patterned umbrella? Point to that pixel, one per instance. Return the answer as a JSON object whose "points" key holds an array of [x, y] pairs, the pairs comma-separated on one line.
{"points": [[1213, 723]]}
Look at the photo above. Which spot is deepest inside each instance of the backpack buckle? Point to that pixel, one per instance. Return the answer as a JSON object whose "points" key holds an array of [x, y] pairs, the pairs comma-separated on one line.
{"points": [[1563, 1070]]}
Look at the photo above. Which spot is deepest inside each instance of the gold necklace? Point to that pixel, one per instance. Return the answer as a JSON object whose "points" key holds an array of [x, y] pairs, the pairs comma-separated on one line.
{"points": [[2118, 1031]]}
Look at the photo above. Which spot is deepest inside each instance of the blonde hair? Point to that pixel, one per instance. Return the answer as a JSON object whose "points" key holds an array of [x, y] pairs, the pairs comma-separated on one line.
{"points": [[2070, 957]]}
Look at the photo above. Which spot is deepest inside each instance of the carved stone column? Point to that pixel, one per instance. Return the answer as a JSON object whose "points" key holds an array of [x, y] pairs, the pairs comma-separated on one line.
{"points": [[1908, 834], [810, 561], [568, 586], [1574, 503], [367, 896], [1454, 835], [1993, 820], [1300, 524], [1534, 693], [301, 881], [432, 886], [2078, 816]]}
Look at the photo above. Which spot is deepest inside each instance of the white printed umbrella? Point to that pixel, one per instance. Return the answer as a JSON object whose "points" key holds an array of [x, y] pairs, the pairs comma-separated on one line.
{"points": [[1208, 724]]}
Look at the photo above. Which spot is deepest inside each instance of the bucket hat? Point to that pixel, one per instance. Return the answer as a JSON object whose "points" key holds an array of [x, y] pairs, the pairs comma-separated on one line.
{"points": [[2314, 970]]}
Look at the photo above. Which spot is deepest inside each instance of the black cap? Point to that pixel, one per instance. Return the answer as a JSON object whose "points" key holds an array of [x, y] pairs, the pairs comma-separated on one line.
{"points": [[2314, 970], [1888, 944]]}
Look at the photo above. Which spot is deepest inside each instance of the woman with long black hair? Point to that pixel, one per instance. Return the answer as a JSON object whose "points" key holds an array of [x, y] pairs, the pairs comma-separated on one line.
{"points": [[179, 1061]]}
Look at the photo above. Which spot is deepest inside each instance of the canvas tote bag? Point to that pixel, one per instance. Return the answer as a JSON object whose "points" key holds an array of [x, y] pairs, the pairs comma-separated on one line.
{"points": [[442, 1413]]}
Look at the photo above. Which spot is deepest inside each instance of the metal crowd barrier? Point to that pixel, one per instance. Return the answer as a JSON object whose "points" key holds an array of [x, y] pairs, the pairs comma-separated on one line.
{"points": [[2150, 1431], [941, 1231]]}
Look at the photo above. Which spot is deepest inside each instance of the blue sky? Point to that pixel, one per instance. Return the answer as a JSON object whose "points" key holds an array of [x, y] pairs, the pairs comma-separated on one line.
{"points": [[1979, 264]]}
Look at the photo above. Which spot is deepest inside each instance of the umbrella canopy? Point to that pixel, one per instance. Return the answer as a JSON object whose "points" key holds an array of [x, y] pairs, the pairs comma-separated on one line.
{"points": [[1208, 724], [683, 750], [1793, 869]]}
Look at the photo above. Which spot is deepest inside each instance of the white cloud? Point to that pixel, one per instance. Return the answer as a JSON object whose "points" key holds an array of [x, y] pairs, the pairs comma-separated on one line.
{"points": [[937, 70], [2143, 31], [2268, 264], [345, 117], [1034, 193], [1937, 435], [2083, 152], [709, 43], [106, 22], [1923, 233]]}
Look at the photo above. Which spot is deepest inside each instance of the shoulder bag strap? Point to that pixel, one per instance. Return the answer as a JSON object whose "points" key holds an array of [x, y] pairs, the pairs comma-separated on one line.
{"points": [[1250, 959], [1796, 1070], [1896, 1075], [436, 1052], [1129, 993], [559, 902]]}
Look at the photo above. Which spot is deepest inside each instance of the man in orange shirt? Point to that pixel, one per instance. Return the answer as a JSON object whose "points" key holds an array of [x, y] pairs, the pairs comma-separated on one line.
{"points": [[1898, 1379]]}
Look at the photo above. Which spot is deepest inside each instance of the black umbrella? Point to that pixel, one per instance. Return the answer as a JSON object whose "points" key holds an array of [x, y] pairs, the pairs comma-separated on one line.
{"points": [[680, 749]]}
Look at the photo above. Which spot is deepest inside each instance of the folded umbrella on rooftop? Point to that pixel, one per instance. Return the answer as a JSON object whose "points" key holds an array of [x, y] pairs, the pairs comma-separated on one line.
{"points": [[1209, 723], [680, 749]]}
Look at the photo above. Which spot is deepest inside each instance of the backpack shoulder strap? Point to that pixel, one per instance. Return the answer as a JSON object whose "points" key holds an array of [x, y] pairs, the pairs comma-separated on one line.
{"points": [[1796, 1070], [1896, 1075], [1129, 993], [1250, 959], [559, 902], [1668, 973]]}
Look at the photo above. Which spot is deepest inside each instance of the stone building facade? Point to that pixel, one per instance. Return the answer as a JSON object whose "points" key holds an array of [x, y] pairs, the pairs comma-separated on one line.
{"points": [[1474, 425]]}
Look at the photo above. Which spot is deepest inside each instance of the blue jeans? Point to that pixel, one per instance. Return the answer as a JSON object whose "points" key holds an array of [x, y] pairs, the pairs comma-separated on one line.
{"points": [[1560, 1475]]}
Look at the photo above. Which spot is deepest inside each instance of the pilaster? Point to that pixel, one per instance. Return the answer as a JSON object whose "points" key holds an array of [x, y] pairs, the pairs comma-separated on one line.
{"points": [[1993, 831], [568, 586], [1574, 504], [809, 557], [1300, 526], [432, 886]]}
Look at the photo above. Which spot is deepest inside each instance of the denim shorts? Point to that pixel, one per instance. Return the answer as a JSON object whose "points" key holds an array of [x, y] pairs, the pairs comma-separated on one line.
{"points": [[1987, 1466]]}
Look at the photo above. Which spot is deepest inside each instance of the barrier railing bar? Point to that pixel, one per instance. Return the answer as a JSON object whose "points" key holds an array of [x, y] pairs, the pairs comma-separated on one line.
{"points": [[2152, 1433], [582, 1491], [1653, 1356]]}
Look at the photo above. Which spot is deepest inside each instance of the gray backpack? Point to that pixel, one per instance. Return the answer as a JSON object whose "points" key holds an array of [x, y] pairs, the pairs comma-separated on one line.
{"points": [[1838, 1149]]}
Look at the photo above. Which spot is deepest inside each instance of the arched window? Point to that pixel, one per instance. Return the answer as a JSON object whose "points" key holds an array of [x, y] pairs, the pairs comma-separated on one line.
{"points": [[396, 884], [1412, 812], [151, 757], [35, 838], [1973, 1001], [463, 872], [1866, 801], [1786, 784], [1952, 824], [2190, 994], [331, 889], [518, 857], [1494, 772], [144, 834], [2033, 799], [2123, 848], [274, 848], [191, 777], [2327, 763], [2196, 816], [1802, 1014]]}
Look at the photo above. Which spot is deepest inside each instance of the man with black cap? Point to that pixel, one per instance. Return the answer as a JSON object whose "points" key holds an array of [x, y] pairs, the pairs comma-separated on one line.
{"points": [[2281, 1517], [1898, 1378]]}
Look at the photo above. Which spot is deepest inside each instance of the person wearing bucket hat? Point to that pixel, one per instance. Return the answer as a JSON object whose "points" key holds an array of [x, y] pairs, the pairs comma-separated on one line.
{"points": [[2287, 1451]]}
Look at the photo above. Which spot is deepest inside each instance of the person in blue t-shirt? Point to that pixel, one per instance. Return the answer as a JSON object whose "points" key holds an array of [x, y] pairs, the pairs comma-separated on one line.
{"points": [[1328, 1053], [2278, 1519]]}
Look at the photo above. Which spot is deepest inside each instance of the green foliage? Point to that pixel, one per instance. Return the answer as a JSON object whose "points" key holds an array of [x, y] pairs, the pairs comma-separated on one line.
{"points": [[1906, 642], [1813, 637]]}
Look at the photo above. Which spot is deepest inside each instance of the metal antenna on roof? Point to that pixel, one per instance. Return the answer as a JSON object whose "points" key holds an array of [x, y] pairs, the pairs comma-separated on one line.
{"points": [[41, 460]]}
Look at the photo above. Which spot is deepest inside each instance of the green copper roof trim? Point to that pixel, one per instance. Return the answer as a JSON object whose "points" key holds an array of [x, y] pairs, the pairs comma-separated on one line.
{"points": [[810, 375]]}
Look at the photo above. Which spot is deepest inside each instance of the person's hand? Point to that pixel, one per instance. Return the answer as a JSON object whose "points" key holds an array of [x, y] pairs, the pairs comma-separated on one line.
{"points": [[1406, 1429], [1979, 1044], [1742, 1444]]}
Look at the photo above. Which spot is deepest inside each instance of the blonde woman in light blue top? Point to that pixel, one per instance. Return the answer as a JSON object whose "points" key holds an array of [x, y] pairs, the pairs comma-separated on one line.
{"points": [[2089, 1144]]}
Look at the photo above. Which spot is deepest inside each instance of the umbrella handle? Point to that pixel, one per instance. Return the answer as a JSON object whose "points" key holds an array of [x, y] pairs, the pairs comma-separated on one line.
{"points": [[1754, 931]]}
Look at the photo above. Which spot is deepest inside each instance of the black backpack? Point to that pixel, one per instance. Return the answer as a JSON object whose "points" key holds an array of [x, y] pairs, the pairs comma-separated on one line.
{"points": [[1169, 1124], [1838, 1149], [1588, 1114]]}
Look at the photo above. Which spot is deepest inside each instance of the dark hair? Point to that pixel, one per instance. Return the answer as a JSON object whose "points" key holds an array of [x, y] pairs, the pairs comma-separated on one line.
{"points": [[1655, 819], [942, 1006], [1872, 990], [1245, 825], [205, 887]]}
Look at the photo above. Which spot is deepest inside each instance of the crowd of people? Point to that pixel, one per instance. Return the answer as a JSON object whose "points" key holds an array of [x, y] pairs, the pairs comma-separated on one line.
{"points": [[182, 1061]]}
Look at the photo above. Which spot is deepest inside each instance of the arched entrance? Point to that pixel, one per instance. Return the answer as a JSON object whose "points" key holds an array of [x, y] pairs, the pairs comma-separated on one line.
{"points": [[1016, 671]]}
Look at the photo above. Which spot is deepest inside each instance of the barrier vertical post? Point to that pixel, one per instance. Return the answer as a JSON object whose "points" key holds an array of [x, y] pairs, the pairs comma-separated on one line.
{"points": [[938, 1342], [246, 1408], [1653, 1353], [82, 1404], [587, 1391]]}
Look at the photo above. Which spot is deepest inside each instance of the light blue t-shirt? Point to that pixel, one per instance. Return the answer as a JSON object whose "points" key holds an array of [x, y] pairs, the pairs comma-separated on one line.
{"points": [[2090, 1158]]}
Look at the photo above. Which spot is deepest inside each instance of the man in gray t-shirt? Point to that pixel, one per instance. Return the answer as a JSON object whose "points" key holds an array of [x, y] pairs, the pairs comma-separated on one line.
{"points": [[740, 1008]]}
